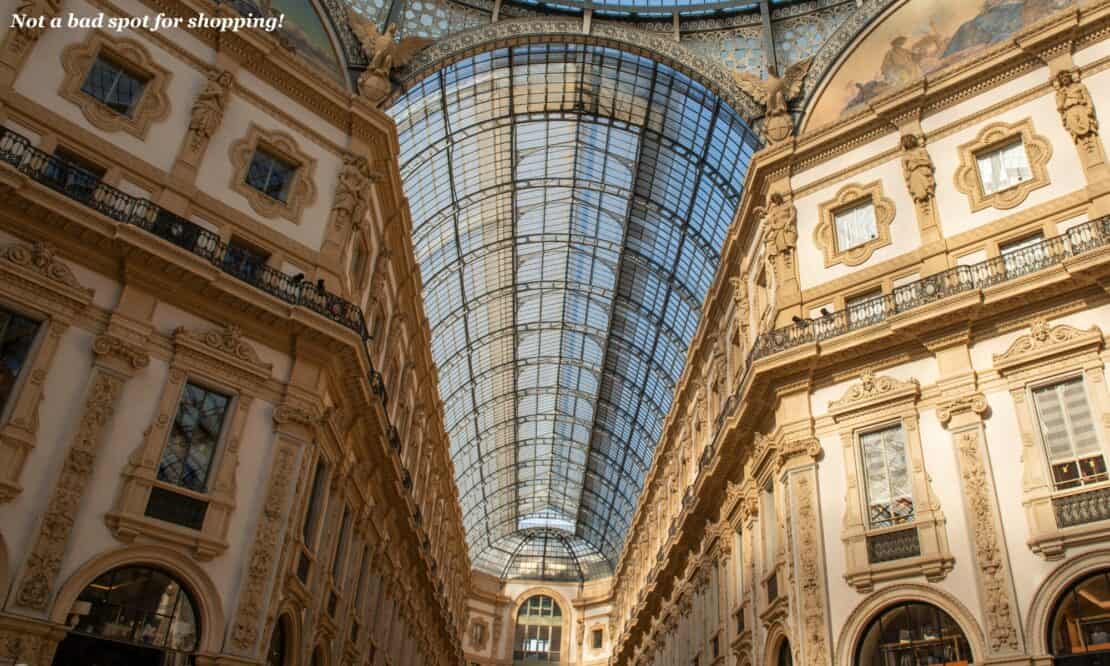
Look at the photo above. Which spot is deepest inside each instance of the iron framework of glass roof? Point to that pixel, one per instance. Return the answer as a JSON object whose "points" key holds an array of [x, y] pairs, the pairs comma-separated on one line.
{"points": [[569, 204]]}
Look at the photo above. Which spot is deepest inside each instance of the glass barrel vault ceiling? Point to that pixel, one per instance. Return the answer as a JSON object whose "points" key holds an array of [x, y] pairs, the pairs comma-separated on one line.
{"points": [[569, 204]]}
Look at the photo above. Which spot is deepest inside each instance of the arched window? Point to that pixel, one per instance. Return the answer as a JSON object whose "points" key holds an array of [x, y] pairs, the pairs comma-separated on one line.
{"points": [[913, 634], [539, 631], [786, 657], [135, 616], [1080, 628], [275, 656]]}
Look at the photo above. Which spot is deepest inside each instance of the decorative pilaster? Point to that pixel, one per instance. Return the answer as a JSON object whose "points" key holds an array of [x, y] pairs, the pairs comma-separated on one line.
{"points": [[963, 417], [811, 579], [267, 539], [116, 360], [19, 41]]}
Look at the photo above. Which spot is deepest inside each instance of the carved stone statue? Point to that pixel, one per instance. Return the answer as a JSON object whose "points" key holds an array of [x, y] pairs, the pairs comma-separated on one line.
{"points": [[385, 55], [352, 192], [917, 167], [774, 93], [780, 225], [208, 110], [1073, 101]]}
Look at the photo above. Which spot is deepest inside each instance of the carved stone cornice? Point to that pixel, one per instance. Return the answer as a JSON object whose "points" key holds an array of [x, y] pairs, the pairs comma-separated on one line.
{"points": [[33, 275], [872, 390], [1045, 341], [223, 353]]}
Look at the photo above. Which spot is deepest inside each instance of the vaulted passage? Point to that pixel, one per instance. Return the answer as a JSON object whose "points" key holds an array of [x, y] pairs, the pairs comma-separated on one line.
{"points": [[569, 204]]}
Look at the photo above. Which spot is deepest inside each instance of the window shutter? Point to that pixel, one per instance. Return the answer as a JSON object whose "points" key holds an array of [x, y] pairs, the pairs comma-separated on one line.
{"points": [[855, 226], [1054, 429]]}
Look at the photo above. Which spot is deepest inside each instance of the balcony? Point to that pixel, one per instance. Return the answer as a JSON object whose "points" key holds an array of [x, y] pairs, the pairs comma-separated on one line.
{"points": [[1081, 508], [79, 185], [1049, 252]]}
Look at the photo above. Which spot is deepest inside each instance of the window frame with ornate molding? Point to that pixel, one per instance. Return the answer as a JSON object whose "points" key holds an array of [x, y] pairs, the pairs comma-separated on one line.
{"points": [[969, 179], [850, 197], [219, 360], [874, 403], [301, 189], [40, 288], [130, 55], [1045, 355]]}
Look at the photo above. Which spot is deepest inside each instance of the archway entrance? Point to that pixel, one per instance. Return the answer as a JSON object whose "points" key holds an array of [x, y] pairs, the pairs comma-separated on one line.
{"points": [[1079, 633], [539, 631], [786, 657], [131, 616], [913, 634]]}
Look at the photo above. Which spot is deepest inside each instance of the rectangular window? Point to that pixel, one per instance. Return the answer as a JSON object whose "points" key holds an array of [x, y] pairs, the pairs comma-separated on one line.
{"points": [[364, 565], [866, 308], [187, 458], [1026, 253], [315, 500], [270, 174], [243, 259], [17, 334], [1003, 167], [855, 226], [597, 640], [1068, 432], [341, 545], [114, 85], [886, 477]]}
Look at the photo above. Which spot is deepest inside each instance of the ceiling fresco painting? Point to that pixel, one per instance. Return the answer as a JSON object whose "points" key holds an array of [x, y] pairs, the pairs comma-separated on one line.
{"points": [[921, 37]]}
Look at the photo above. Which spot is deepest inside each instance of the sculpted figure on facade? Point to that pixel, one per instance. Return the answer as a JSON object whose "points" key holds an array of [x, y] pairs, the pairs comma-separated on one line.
{"points": [[918, 169], [385, 55], [352, 191], [775, 93], [1073, 101], [780, 225], [208, 110]]}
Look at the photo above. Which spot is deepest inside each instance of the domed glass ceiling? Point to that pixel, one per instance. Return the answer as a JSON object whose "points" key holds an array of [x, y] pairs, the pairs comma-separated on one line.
{"points": [[569, 204]]}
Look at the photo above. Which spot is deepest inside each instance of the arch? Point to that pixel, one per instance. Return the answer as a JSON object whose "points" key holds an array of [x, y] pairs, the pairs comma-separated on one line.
{"points": [[565, 607], [319, 655], [777, 634], [1048, 593], [288, 614], [191, 576], [660, 47], [859, 619]]}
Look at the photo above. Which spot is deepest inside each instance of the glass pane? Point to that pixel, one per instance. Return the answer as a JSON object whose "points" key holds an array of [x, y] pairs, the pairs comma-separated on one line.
{"points": [[187, 458], [113, 86], [1003, 167], [17, 333], [886, 475], [855, 226]]}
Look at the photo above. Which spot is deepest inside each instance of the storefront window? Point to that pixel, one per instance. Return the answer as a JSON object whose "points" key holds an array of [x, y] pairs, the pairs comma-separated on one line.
{"points": [[1081, 624], [914, 634]]}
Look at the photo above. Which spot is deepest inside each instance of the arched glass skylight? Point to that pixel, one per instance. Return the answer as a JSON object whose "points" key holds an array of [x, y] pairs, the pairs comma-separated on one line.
{"points": [[569, 205]]}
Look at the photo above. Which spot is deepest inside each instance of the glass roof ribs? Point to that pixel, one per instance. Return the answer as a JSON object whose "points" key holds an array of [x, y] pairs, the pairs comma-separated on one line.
{"points": [[569, 205]]}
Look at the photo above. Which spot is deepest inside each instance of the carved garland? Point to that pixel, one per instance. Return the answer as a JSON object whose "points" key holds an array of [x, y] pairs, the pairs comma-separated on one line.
{"points": [[812, 583]]}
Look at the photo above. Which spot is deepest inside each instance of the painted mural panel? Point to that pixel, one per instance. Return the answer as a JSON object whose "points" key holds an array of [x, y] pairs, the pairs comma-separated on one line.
{"points": [[305, 30], [920, 37]]}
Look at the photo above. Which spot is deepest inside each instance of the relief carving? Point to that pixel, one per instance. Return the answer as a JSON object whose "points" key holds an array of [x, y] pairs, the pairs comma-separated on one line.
{"points": [[22, 38], [811, 583], [918, 170], [1044, 339], [41, 257], [385, 55], [352, 192], [208, 110], [45, 560], [1077, 111], [871, 389], [994, 579], [975, 403], [780, 226], [263, 553]]}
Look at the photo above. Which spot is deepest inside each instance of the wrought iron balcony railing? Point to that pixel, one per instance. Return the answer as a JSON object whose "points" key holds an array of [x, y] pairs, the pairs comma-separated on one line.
{"points": [[86, 188], [1049, 252], [1082, 508], [890, 546]]}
